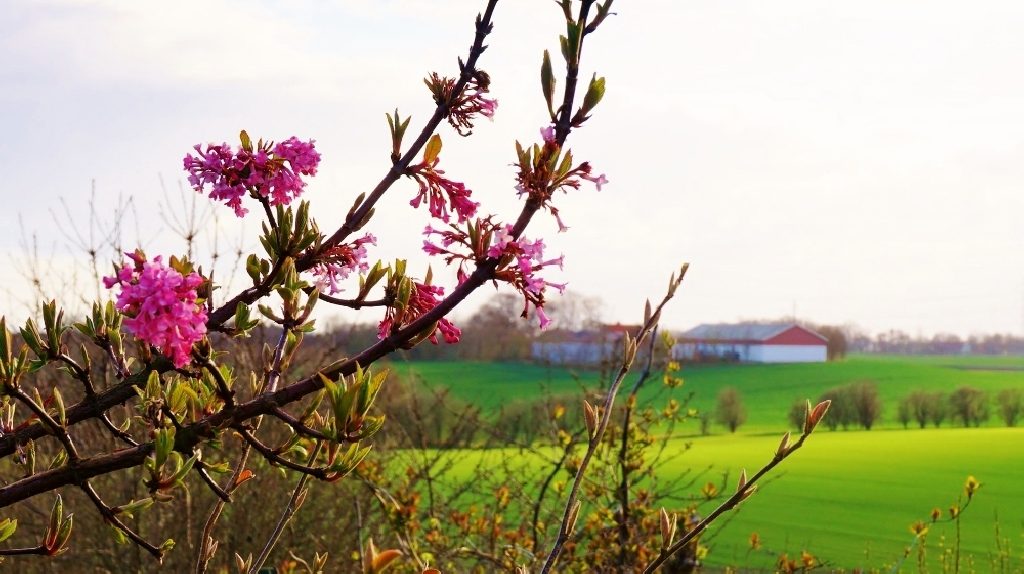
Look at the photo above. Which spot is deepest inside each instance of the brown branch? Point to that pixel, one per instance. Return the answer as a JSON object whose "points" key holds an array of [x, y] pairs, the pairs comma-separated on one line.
{"points": [[37, 550], [58, 431], [205, 474], [358, 216], [294, 502], [571, 508], [741, 493], [89, 408], [223, 391], [62, 476], [354, 303], [110, 516], [297, 425], [556, 468], [320, 472], [124, 436], [623, 493], [207, 544]]}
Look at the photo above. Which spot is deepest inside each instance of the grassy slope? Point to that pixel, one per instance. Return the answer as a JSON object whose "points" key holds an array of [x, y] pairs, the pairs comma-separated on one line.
{"points": [[849, 496], [768, 390], [852, 496]]}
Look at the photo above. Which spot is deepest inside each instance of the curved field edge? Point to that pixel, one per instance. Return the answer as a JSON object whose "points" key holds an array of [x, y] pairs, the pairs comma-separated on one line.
{"points": [[768, 391], [846, 497]]}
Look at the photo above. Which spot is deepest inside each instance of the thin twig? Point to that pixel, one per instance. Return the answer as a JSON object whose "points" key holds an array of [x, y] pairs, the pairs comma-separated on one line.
{"points": [[320, 472], [110, 516], [623, 516], [286, 515], [571, 509]]}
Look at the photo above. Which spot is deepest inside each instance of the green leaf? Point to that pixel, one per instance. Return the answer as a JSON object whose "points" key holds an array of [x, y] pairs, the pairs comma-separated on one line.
{"points": [[432, 149], [595, 92], [246, 142], [7, 528], [547, 83]]}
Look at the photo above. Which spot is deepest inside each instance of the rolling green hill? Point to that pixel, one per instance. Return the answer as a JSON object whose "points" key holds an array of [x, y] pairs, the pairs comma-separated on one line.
{"points": [[848, 496], [768, 391]]}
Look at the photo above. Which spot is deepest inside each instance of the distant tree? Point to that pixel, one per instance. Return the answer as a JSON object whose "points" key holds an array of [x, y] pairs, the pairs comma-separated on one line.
{"points": [[704, 418], [841, 412], [917, 406], [1011, 404], [495, 332], [837, 341], [904, 412], [923, 407], [865, 403], [797, 413], [937, 407], [969, 405], [730, 411], [574, 312]]}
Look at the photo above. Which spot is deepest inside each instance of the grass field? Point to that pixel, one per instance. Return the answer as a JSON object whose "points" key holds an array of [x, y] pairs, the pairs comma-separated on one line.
{"points": [[851, 497], [768, 391], [848, 496]]}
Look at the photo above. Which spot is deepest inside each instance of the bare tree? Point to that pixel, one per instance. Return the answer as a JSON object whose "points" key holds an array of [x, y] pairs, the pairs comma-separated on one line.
{"points": [[730, 410]]}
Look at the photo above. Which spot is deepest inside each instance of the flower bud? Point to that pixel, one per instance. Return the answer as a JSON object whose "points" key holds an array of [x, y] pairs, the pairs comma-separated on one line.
{"points": [[815, 415], [783, 449], [668, 528]]}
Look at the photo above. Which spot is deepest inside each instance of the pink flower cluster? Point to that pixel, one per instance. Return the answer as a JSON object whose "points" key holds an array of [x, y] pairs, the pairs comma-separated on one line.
{"points": [[160, 306], [269, 171], [543, 170], [529, 260], [463, 107], [337, 263], [439, 192], [422, 299]]}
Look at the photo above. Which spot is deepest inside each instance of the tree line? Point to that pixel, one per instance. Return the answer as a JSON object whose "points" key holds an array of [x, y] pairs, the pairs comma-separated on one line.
{"points": [[858, 405]]}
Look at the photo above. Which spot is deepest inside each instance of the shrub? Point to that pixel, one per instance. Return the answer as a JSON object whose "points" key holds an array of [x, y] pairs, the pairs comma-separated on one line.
{"points": [[969, 405], [864, 401], [797, 413], [730, 411], [1011, 403]]}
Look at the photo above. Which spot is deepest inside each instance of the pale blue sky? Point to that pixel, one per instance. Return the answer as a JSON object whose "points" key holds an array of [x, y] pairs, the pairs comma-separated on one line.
{"points": [[861, 160]]}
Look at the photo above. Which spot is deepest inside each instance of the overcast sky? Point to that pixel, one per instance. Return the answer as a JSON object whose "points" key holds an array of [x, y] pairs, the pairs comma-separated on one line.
{"points": [[858, 162]]}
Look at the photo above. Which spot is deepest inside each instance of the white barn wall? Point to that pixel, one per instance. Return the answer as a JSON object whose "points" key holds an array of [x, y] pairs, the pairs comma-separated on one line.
{"points": [[788, 353]]}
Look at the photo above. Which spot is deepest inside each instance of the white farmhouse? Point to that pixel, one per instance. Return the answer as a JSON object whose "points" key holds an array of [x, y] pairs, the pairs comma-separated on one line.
{"points": [[753, 343]]}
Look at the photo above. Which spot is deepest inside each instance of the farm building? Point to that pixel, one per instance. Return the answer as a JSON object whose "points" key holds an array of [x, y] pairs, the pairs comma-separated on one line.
{"points": [[753, 343], [563, 347]]}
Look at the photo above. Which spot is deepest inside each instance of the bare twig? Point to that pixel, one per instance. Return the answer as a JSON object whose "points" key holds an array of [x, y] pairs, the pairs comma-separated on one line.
{"points": [[110, 516], [597, 430], [294, 502]]}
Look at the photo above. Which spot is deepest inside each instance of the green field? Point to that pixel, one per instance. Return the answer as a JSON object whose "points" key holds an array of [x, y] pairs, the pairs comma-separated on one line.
{"points": [[848, 496], [768, 390], [851, 497]]}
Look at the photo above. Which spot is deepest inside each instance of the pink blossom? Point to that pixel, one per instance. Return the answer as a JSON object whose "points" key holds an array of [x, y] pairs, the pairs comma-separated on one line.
{"points": [[501, 237], [441, 192], [597, 181], [274, 173], [337, 263], [463, 106], [543, 317], [523, 275], [160, 306], [421, 301], [547, 133], [488, 107], [302, 156]]}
